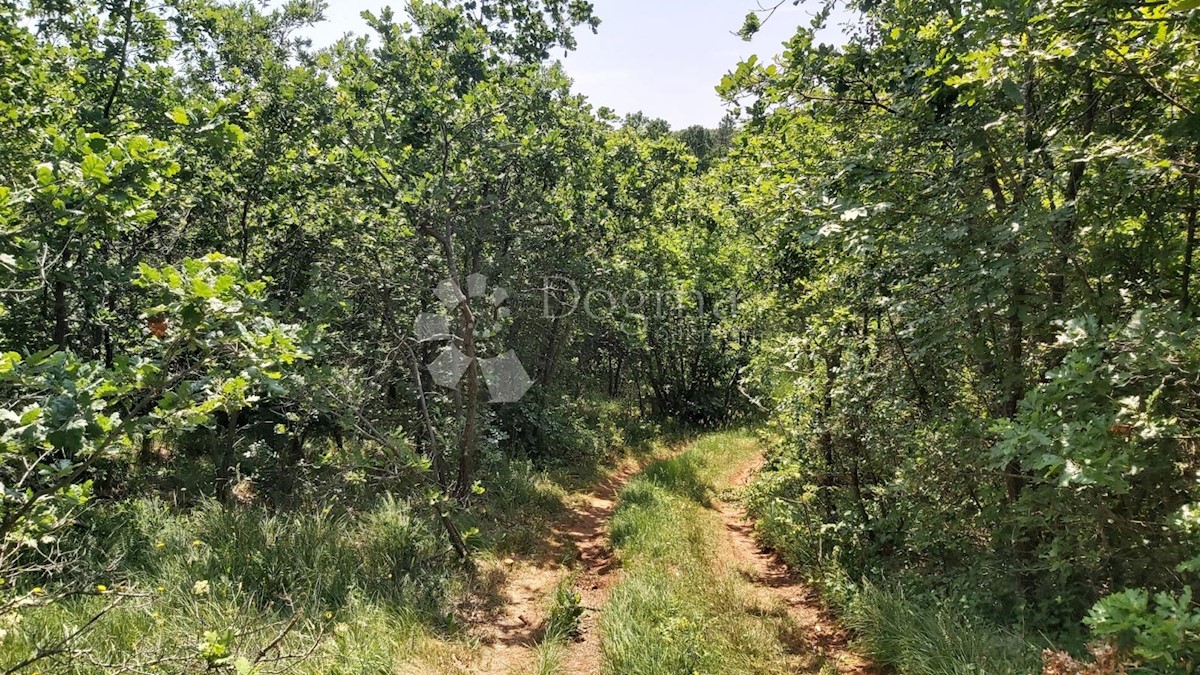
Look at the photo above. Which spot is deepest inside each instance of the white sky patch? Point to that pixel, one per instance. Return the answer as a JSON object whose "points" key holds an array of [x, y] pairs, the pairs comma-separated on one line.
{"points": [[662, 57]]}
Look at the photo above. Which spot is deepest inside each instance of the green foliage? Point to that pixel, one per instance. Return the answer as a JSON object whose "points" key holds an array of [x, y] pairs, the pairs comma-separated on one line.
{"points": [[1162, 633], [208, 311], [342, 186], [575, 431], [953, 259], [982, 350], [750, 26], [565, 611], [64, 415]]}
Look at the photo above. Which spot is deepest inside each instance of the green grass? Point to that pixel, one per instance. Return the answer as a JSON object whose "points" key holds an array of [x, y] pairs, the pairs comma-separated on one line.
{"points": [[562, 622], [562, 625], [933, 641], [367, 588], [369, 575], [679, 608], [549, 658], [372, 580]]}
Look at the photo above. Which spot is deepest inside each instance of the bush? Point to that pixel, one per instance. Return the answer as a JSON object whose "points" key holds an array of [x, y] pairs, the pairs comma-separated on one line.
{"points": [[930, 637], [568, 430], [1163, 632]]}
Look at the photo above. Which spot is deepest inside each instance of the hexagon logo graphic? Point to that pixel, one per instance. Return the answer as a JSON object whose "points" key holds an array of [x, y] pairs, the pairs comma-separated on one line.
{"points": [[504, 376]]}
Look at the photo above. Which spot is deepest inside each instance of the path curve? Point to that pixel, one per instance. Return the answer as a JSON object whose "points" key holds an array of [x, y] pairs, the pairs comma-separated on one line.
{"points": [[816, 630]]}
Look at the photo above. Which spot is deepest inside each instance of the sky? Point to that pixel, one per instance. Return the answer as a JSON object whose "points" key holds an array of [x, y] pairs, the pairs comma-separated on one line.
{"points": [[662, 57]]}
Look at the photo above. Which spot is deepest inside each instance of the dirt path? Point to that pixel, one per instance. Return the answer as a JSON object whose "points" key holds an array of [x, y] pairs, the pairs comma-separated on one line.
{"points": [[816, 631], [597, 573], [509, 628], [511, 631]]}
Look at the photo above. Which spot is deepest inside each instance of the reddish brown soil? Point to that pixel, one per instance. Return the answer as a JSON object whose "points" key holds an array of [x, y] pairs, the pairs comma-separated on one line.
{"points": [[598, 572], [817, 631], [510, 630]]}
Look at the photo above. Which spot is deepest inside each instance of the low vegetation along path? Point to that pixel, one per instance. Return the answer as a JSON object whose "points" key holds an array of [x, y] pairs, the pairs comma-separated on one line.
{"points": [[670, 580]]}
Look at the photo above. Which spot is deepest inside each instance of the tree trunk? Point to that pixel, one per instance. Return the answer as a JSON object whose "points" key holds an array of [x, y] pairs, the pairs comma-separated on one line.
{"points": [[1190, 246], [223, 474], [468, 456], [61, 328], [1065, 232]]}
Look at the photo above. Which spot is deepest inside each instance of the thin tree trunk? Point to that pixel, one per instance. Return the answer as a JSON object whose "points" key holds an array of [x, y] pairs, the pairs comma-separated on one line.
{"points": [[1066, 230], [922, 394], [224, 463], [469, 452], [60, 313], [433, 451], [119, 79], [1190, 247]]}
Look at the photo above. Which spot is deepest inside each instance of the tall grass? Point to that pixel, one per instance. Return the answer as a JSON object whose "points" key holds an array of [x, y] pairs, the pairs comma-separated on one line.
{"points": [[562, 622], [369, 575], [924, 640], [368, 589], [562, 625]]}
